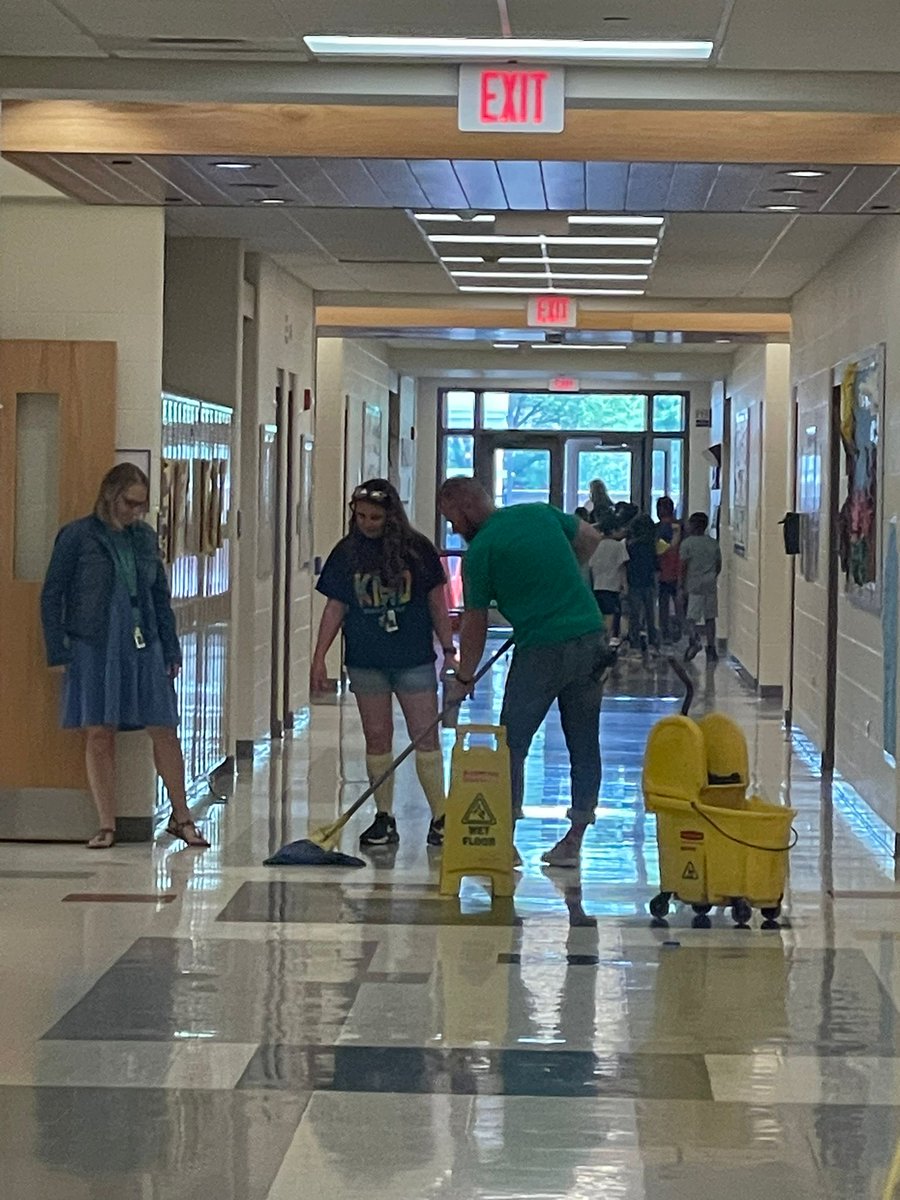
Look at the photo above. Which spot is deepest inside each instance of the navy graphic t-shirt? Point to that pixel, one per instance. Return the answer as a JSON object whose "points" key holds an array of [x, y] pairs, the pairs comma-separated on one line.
{"points": [[385, 628]]}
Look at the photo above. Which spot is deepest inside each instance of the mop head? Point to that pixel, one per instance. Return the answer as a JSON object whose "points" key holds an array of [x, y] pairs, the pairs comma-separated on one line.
{"points": [[306, 853]]}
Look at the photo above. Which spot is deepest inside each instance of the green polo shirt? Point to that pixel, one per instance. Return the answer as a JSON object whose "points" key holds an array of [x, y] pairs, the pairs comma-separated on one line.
{"points": [[522, 559]]}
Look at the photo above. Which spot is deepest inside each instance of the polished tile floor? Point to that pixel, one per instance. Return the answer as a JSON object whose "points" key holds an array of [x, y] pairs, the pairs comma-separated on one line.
{"points": [[194, 1025]]}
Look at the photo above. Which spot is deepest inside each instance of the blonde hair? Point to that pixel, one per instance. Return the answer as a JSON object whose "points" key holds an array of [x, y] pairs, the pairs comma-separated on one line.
{"points": [[113, 484]]}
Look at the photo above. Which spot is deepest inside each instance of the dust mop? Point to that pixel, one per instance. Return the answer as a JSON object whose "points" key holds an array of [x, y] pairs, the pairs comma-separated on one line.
{"points": [[320, 848]]}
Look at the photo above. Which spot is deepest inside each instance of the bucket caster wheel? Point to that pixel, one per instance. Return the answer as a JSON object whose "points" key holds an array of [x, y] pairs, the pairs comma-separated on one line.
{"points": [[659, 906], [742, 913], [770, 917], [701, 916]]}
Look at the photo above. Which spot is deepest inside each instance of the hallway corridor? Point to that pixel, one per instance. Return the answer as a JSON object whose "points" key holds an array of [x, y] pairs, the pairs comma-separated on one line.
{"points": [[182, 1024]]}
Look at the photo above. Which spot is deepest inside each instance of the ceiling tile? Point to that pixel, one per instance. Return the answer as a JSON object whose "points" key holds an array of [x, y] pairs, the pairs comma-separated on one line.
{"points": [[36, 27], [780, 35], [366, 235], [564, 185], [648, 186], [137, 20], [733, 186], [310, 177], [859, 189], [396, 180], [646, 19], [523, 184], [472, 17], [481, 183], [352, 179], [438, 181], [606, 185], [690, 186], [420, 278]]}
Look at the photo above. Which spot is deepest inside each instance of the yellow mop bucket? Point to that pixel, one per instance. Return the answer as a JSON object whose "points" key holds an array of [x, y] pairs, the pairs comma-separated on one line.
{"points": [[478, 829], [717, 846]]}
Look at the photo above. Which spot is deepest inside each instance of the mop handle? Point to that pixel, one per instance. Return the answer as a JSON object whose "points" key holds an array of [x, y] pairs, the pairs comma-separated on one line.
{"points": [[404, 755]]}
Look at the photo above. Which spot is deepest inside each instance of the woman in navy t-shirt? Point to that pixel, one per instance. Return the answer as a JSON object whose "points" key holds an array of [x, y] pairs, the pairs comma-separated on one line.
{"points": [[385, 587]]}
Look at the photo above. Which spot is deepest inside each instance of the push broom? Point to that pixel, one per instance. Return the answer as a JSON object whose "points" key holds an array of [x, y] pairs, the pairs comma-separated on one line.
{"points": [[320, 848]]}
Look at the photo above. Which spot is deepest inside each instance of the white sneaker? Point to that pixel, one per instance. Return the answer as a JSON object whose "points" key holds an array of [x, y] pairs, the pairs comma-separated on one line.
{"points": [[565, 853]]}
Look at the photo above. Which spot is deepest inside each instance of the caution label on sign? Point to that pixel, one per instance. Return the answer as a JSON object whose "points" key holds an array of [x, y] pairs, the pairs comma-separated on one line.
{"points": [[479, 813], [690, 872]]}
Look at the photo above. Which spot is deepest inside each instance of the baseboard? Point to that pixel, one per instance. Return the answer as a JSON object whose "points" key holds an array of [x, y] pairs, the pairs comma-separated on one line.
{"points": [[745, 676], [771, 691], [134, 829], [244, 750]]}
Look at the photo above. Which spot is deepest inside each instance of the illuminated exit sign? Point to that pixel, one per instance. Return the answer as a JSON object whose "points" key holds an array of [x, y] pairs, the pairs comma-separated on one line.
{"points": [[552, 312], [506, 99], [564, 383]]}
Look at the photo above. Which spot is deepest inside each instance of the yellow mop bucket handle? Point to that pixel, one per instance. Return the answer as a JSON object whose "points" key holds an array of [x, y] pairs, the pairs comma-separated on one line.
{"points": [[495, 731]]}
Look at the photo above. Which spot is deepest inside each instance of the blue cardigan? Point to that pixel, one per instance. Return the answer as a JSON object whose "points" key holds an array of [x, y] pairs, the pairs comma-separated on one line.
{"points": [[79, 584]]}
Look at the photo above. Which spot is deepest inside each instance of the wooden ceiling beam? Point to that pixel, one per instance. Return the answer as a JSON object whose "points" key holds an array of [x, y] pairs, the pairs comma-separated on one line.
{"points": [[404, 131]]}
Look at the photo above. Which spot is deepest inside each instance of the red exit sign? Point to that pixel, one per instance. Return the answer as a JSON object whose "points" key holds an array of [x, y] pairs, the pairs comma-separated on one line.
{"points": [[564, 383], [504, 99], [552, 312]]}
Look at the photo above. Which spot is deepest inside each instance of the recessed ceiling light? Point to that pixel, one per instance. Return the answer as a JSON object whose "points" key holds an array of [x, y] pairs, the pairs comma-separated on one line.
{"points": [[499, 239], [550, 291], [469, 258], [805, 174], [506, 345], [483, 49], [235, 166], [430, 216], [796, 191], [880, 207], [781, 207], [600, 219], [723, 341], [554, 262], [270, 200], [600, 276]]}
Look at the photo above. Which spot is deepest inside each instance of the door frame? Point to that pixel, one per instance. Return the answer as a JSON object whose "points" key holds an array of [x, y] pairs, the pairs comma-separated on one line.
{"points": [[488, 443], [608, 443]]}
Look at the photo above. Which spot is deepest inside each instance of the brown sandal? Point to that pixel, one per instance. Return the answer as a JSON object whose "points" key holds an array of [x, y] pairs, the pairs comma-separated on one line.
{"points": [[176, 830], [103, 839]]}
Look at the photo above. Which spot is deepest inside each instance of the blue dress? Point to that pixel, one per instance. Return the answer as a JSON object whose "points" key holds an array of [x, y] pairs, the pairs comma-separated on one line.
{"points": [[115, 683]]}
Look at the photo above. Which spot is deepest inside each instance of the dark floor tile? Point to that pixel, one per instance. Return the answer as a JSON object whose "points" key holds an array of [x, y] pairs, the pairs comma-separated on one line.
{"points": [[310, 904], [222, 989], [477, 1072], [131, 1143]]}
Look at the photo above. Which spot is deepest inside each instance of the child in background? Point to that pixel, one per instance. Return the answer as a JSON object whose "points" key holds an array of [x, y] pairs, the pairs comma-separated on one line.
{"points": [[607, 567], [668, 541], [641, 573], [701, 564]]}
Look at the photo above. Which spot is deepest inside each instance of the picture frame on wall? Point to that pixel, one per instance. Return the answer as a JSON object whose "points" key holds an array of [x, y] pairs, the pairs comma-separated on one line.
{"points": [[740, 481], [305, 505], [372, 442], [138, 458]]}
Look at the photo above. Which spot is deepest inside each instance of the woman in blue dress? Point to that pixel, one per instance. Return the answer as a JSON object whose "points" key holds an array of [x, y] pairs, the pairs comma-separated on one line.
{"points": [[108, 620]]}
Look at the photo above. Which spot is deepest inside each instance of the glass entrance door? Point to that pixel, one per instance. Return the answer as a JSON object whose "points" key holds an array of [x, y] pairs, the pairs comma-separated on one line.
{"points": [[619, 466], [520, 470]]}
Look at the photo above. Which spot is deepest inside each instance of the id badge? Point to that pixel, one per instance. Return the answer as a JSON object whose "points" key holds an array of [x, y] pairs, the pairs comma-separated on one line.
{"points": [[390, 621], [139, 638]]}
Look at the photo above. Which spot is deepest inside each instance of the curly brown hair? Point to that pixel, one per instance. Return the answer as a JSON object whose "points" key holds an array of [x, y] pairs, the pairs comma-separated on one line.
{"points": [[394, 553]]}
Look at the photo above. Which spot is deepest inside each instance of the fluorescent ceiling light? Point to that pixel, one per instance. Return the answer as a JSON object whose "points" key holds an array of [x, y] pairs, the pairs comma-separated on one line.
{"points": [[540, 275], [782, 208], [549, 291], [326, 46], [806, 174], [598, 219], [270, 200], [430, 216], [535, 260], [564, 346], [471, 258], [498, 239], [506, 345], [234, 166]]}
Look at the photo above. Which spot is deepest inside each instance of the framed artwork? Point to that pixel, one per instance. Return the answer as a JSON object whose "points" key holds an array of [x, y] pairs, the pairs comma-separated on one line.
{"points": [[861, 384], [138, 458], [266, 501], [372, 458], [740, 481]]}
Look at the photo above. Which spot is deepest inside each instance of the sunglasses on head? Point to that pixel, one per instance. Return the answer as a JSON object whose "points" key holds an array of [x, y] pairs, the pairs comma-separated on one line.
{"points": [[363, 493]]}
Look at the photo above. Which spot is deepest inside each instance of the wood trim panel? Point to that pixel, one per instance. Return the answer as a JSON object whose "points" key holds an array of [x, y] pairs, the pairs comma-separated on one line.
{"points": [[36, 753], [404, 131], [352, 317]]}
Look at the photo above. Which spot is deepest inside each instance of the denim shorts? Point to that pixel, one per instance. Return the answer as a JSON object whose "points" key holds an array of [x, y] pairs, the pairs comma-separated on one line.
{"points": [[373, 681]]}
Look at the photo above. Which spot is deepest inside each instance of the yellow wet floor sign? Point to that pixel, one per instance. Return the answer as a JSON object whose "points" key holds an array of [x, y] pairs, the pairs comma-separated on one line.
{"points": [[478, 827]]}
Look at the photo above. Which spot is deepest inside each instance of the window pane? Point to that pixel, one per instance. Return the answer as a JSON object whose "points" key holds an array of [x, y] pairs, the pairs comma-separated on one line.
{"points": [[612, 466], [459, 410], [668, 472], [668, 414], [626, 413], [521, 477], [37, 483], [458, 455]]}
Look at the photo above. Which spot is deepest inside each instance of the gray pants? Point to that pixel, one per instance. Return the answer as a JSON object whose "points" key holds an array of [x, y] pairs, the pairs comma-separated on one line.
{"points": [[572, 674]]}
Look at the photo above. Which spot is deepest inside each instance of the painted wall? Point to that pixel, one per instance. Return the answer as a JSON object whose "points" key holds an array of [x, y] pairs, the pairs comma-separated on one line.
{"points": [[350, 375], [73, 273], [850, 306]]}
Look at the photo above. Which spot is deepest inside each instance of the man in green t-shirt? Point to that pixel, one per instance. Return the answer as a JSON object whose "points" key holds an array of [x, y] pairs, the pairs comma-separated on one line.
{"points": [[527, 560]]}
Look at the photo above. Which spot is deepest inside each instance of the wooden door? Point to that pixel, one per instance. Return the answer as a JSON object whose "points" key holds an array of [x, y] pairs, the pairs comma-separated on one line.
{"points": [[76, 382]]}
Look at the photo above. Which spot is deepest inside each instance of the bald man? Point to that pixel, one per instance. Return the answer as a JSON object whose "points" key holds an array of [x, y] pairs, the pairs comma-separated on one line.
{"points": [[527, 560]]}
